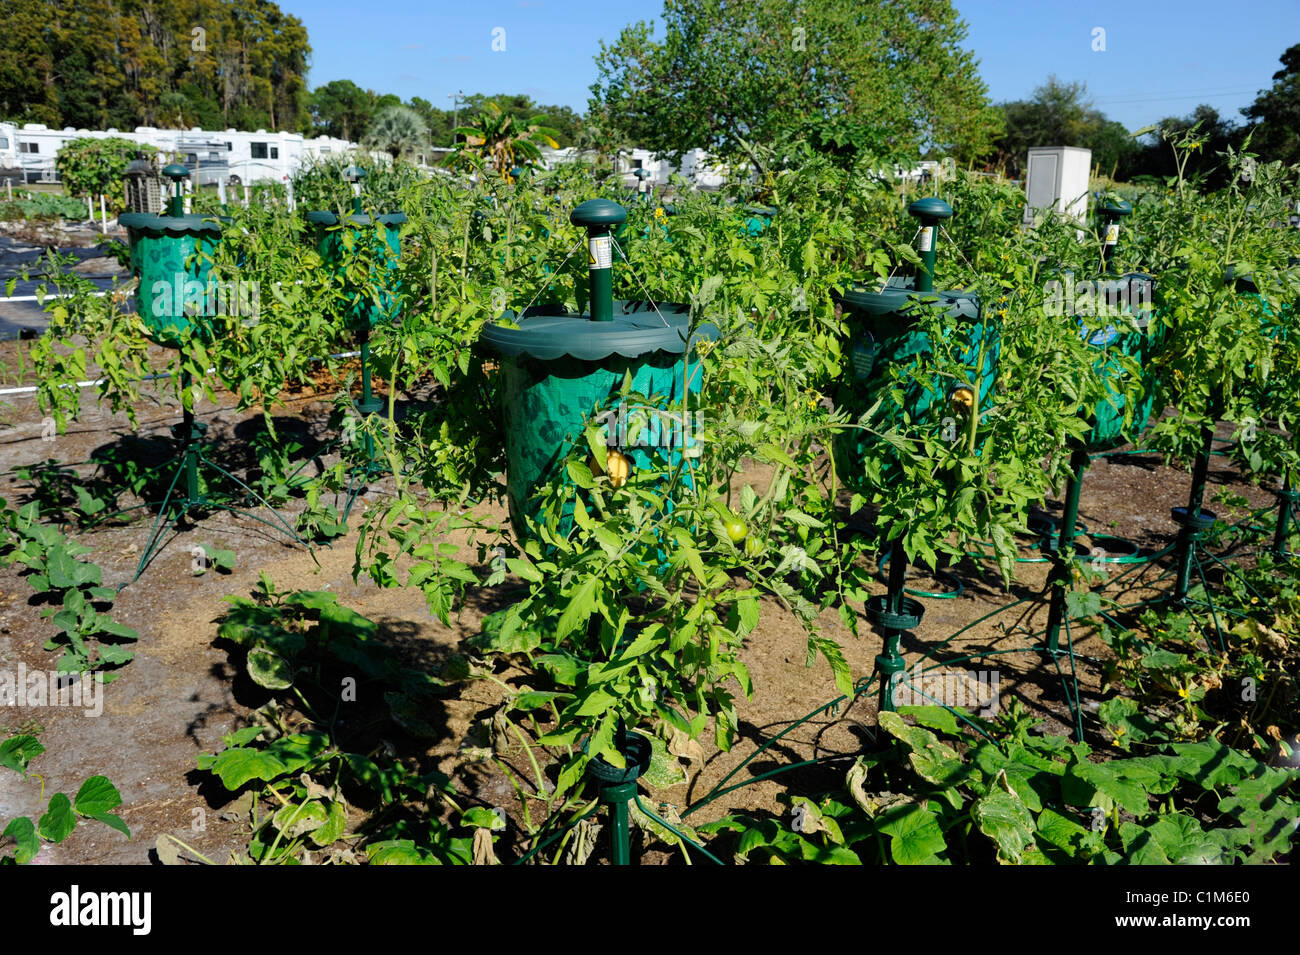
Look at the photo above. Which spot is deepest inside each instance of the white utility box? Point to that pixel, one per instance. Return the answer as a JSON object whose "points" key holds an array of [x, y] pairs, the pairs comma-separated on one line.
{"points": [[1057, 177]]}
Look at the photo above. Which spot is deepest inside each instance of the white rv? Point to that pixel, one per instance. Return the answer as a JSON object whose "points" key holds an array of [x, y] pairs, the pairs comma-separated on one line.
{"points": [[209, 155]]}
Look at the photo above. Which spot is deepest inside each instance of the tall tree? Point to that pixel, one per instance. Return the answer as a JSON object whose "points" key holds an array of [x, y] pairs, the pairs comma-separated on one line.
{"points": [[340, 108], [99, 63], [726, 75], [1275, 115]]}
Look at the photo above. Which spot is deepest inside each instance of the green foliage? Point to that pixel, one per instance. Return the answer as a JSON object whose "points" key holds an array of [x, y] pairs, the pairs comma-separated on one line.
{"points": [[322, 746], [125, 65], [1275, 115], [90, 639], [95, 167], [95, 801], [725, 77], [43, 205], [940, 795]]}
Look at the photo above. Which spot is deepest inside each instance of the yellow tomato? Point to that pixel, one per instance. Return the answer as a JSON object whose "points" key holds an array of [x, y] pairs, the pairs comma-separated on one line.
{"points": [[618, 467]]}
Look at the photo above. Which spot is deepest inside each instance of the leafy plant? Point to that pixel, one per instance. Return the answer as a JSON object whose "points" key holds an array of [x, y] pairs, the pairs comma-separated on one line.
{"points": [[95, 801]]}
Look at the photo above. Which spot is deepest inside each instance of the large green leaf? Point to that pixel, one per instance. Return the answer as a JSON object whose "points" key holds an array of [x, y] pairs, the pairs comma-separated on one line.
{"points": [[267, 668], [17, 751], [288, 754], [96, 796], [59, 820], [23, 831], [1003, 818], [916, 835]]}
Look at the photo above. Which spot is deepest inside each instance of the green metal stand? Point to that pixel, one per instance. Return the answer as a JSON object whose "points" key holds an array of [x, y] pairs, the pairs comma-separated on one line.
{"points": [[617, 786], [175, 507]]}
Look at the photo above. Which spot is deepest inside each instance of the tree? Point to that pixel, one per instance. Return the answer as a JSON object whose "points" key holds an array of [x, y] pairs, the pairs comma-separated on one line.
{"points": [[340, 108], [1061, 114], [437, 121], [562, 120], [502, 139], [1275, 115], [726, 75], [99, 63], [398, 131], [96, 167]]}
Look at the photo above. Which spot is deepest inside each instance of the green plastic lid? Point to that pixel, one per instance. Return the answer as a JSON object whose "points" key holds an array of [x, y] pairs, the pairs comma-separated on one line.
{"points": [[154, 224], [321, 217], [175, 172], [931, 208], [1116, 207], [638, 328], [598, 212], [899, 294]]}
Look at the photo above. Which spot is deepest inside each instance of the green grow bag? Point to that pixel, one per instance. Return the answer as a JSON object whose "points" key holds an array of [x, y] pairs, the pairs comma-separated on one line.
{"points": [[559, 369], [758, 218], [882, 332], [1141, 344], [1274, 325], [172, 257], [363, 311]]}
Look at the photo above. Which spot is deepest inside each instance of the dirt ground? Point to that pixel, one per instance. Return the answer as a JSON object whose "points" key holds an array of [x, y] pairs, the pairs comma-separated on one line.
{"points": [[178, 697]]}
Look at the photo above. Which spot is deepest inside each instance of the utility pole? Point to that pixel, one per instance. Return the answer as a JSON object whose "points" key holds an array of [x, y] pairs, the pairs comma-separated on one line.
{"points": [[455, 98]]}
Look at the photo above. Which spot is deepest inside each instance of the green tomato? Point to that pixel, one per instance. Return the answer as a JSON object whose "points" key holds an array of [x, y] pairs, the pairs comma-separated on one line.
{"points": [[754, 547], [737, 530]]}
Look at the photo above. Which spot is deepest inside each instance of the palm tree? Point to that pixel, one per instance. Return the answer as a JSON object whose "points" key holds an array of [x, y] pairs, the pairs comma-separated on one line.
{"points": [[398, 131], [503, 139]]}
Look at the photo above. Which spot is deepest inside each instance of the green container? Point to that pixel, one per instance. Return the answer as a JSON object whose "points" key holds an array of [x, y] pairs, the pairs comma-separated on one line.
{"points": [[363, 311], [560, 370], [758, 218], [1129, 292], [172, 257], [882, 333]]}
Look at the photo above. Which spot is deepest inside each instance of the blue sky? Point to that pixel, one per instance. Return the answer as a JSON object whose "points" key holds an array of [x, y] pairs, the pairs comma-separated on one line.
{"points": [[1161, 57]]}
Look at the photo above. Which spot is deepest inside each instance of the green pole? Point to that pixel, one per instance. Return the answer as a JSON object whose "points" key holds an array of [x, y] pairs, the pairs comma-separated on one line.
{"points": [[600, 217], [1286, 501], [1111, 214], [620, 837], [189, 437], [1060, 577], [931, 212], [177, 174], [1194, 521]]}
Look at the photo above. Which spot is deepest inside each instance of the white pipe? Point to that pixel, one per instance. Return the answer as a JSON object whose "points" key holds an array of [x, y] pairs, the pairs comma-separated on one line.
{"points": [[31, 389], [34, 298], [103, 216]]}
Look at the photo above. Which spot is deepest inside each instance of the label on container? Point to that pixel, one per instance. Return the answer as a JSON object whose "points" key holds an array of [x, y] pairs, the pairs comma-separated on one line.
{"points": [[927, 239], [863, 357], [1112, 233], [600, 254]]}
